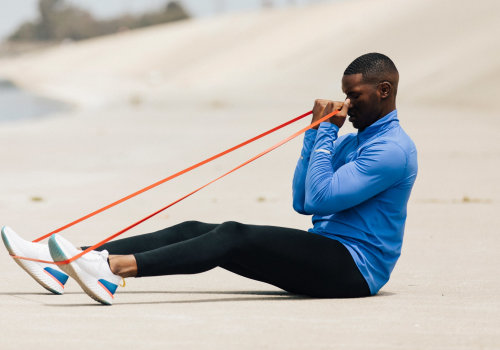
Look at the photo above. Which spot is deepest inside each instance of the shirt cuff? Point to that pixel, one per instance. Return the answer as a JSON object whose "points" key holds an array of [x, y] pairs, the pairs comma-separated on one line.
{"points": [[309, 138], [328, 127], [325, 138]]}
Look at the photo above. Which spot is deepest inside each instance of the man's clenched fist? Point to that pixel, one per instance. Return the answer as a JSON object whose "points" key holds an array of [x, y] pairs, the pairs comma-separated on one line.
{"points": [[324, 107]]}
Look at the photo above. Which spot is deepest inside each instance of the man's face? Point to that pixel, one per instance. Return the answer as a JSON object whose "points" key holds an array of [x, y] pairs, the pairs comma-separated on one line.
{"points": [[365, 106]]}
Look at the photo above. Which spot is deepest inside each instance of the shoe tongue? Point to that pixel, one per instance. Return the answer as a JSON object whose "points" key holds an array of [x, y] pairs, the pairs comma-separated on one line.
{"points": [[104, 254], [97, 255]]}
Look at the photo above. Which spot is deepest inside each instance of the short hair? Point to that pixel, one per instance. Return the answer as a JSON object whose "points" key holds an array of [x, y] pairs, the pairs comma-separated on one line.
{"points": [[373, 66]]}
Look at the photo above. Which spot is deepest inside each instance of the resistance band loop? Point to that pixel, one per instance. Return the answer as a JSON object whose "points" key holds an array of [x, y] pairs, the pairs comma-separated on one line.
{"points": [[192, 167], [97, 245]]}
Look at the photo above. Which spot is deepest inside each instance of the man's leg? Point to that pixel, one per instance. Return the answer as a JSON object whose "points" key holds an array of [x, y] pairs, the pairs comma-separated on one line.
{"points": [[150, 241], [294, 260]]}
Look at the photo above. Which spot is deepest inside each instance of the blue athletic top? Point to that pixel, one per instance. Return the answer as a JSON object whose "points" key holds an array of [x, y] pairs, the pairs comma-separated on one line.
{"points": [[357, 187]]}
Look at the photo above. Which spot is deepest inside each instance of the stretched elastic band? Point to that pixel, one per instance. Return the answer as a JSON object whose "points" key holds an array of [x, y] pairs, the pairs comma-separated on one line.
{"points": [[97, 245], [192, 167]]}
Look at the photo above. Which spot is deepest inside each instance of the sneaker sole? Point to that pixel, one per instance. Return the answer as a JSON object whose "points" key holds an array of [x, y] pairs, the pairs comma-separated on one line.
{"points": [[44, 278], [89, 284]]}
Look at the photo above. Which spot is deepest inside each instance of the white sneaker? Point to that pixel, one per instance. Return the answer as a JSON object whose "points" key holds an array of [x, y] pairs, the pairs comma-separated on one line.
{"points": [[91, 271], [49, 276]]}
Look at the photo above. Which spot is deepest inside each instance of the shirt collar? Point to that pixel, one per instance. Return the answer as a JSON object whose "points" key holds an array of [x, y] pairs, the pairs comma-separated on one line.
{"points": [[381, 124]]}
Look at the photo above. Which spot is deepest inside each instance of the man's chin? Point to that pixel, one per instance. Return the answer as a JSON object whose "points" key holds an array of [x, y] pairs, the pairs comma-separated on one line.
{"points": [[353, 121]]}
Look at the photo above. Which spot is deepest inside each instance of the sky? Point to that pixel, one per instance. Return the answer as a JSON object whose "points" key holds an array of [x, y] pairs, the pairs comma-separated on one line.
{"points": [[15, 12]]}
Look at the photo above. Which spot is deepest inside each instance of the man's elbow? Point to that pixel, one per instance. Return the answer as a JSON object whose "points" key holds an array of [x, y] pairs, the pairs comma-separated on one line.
{"points": [[299, 208], [313, 206], [319, 207]]}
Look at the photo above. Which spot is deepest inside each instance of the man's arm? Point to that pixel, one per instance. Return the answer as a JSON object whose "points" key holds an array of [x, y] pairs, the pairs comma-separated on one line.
{"points": [[299, 177], [320, 109], [327, 191]]}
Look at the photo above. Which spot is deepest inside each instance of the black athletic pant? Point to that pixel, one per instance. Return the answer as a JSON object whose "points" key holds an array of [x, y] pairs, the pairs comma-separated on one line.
{"points": [[296, 261]]}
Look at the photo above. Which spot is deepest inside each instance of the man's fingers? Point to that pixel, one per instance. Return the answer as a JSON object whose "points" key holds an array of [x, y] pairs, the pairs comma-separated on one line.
{"points": [[319, 107], [344, 109], [324, 107], [328, 108]]}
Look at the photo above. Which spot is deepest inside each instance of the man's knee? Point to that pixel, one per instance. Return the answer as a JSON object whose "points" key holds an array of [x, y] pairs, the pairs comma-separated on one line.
{"points": [[190, 223], [231, 230], [190, 229], [230, 225], [194, 226]]}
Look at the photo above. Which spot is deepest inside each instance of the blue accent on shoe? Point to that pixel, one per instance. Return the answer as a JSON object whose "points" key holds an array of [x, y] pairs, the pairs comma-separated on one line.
{"points": [[109, 286], [60, 276], [5, 240]]}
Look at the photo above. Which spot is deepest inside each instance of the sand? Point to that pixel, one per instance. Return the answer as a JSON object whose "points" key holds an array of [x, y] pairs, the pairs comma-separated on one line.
{"points": [[150, 102]]}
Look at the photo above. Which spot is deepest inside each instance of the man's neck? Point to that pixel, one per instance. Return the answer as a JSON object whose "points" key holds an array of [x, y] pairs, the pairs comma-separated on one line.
{"points": [[387, 109], [383, 113]]}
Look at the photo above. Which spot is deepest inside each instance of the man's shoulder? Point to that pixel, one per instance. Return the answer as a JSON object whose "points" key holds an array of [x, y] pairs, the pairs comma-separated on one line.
{"points": [[346, 138], [394, 139], [393, 150]]}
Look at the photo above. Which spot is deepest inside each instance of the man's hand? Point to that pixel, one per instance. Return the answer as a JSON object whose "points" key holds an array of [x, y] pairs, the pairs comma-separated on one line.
{"points": [[324, 107]]}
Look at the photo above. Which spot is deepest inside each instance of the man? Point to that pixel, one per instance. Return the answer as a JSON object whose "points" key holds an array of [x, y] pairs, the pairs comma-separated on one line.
{"points": [[356, 187]]}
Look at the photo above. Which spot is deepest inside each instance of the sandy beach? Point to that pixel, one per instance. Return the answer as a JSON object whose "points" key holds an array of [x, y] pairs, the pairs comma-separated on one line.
{"points": [[150, 102]]}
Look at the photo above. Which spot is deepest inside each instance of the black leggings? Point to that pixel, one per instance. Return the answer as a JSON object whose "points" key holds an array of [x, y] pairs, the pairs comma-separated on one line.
{"points": [[293, 260]]}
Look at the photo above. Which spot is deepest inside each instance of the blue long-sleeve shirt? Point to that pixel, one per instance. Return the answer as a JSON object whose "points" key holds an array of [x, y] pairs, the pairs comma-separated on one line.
{"points": [[357, 187]]}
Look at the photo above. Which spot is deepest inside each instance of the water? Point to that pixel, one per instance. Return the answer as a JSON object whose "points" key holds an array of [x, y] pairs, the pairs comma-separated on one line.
{"points": [[16, 104]]}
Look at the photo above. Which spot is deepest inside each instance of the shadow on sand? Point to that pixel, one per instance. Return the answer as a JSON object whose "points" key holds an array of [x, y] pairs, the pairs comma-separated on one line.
{"points": [[239, 296]]}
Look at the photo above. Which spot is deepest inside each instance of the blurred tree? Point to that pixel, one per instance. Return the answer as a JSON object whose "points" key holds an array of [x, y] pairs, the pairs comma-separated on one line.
{"points": [[267, 3], [48, 12], [59, 20]]}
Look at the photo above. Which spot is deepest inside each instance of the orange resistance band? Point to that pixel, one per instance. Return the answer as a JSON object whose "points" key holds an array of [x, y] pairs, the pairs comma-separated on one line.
{"points": [[192, 167], [97, 245]]}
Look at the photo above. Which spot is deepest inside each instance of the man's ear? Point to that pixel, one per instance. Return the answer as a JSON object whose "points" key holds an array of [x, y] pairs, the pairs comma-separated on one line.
{"points": [[384, 89]]}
